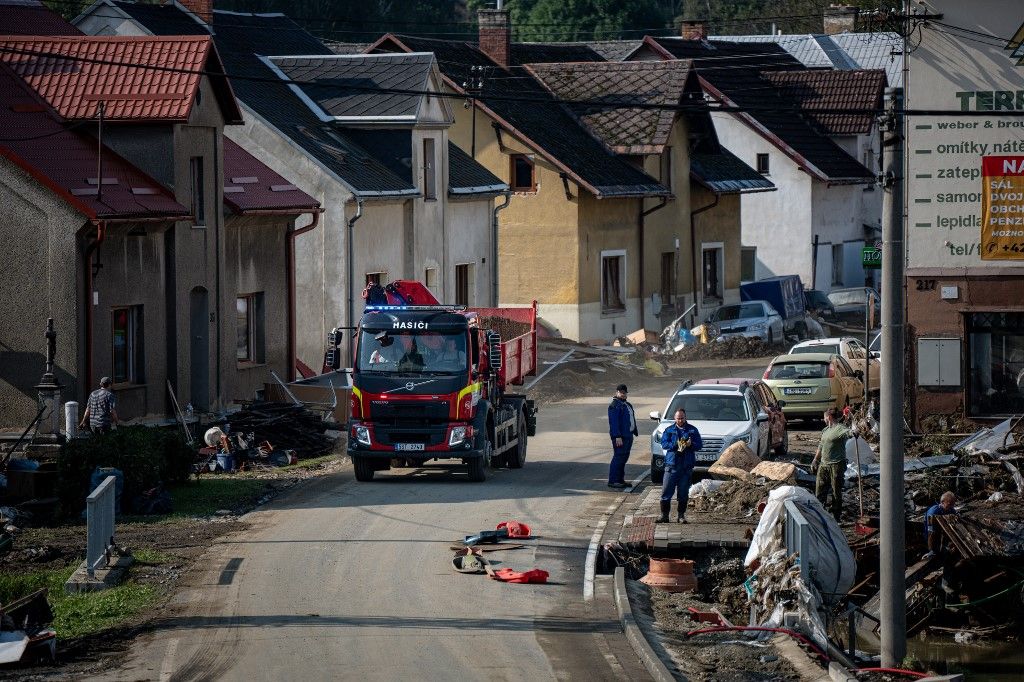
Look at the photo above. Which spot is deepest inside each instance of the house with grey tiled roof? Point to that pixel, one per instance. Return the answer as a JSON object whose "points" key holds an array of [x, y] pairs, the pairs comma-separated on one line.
{"points": [[779, 120], [161, 253], [363, 135], [672, 123]]}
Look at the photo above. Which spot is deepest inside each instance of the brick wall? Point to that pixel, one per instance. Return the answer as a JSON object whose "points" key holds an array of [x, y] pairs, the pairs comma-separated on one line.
{"points": [[201, 8], [495, 34]]}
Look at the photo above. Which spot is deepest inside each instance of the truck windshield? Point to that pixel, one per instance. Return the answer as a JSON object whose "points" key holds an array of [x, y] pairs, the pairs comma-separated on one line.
{"points": [[402, 352]]}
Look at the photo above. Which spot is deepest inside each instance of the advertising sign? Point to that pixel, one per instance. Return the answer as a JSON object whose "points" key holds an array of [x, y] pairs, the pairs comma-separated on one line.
{"points": [[1002, 208]]}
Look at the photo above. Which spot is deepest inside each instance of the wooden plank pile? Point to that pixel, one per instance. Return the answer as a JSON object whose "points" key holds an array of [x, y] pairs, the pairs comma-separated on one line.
{"points": [[287, 426]]}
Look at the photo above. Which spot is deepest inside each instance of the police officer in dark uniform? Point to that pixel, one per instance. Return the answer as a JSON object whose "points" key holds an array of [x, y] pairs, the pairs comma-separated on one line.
{"points": [[681, 441], [622, 429]]}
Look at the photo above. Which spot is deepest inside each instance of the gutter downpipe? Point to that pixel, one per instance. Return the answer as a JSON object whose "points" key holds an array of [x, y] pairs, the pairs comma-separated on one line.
{"points": [[90, 249], [494, 247], [693, 253], [640, 279], [350, 264], [290, 267]]}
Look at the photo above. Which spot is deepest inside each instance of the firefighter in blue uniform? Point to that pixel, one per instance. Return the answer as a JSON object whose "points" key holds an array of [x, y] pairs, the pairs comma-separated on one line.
{"points": [[681, 441]]}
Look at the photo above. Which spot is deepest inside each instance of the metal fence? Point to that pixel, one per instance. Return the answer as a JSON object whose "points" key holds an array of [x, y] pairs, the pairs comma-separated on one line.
{"points": [[99, 508], [797, 536]]}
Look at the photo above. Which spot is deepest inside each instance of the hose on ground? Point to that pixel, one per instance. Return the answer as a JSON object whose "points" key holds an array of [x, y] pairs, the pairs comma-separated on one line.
{"points": [[750, 628], [898, 671]]}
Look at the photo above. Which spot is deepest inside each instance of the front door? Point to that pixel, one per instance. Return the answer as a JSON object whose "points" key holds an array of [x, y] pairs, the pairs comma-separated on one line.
{"points": [[199, 350]]}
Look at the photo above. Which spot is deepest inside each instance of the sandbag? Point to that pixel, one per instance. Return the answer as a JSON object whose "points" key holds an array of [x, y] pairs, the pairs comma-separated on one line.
{"points": [[737, 456], [775, 471], [834, 565]]}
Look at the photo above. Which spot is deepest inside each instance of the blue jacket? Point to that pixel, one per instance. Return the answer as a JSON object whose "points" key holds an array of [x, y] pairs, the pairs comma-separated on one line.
{"points": [[935, 510], [671, 436], [621, 419]]}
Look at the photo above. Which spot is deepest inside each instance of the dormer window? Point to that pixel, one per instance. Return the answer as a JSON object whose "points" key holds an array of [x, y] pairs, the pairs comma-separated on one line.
{"points": [[523, 178]]}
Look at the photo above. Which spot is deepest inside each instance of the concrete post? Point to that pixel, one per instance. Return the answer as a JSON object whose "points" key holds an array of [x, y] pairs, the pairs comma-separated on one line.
{"points": [[891, 528], [70, 419]]}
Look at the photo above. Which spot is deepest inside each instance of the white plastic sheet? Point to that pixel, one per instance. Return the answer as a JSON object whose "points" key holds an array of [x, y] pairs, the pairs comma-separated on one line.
{"points": [[705, 487], [12, 646], [834, 566]]}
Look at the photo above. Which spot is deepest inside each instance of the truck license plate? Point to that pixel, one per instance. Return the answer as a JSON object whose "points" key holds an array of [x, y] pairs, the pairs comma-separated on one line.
{"points": [[798, 391], [409, 446]]}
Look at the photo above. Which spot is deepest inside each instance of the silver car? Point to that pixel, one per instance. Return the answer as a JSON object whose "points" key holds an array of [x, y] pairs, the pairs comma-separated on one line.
{"points": [[753, 319]]}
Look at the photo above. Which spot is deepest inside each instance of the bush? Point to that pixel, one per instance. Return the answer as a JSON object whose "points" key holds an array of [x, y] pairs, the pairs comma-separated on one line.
{"points": [[146, 456]]}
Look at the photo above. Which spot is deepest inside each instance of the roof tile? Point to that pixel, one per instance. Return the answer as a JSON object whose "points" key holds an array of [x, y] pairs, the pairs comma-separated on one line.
{"points": [[65, 161], [627, 130], [74, 74], [262, 189], [821, 94]]}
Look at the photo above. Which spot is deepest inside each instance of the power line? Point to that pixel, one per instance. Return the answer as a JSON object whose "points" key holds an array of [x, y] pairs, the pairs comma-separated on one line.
{"points": [[606, 103]]}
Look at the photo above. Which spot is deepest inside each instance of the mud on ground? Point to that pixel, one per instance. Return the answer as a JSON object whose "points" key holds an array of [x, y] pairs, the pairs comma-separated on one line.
{"points": [[708, 657]]}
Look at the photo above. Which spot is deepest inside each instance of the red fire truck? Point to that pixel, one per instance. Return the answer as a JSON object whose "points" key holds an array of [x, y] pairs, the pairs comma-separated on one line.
{"points": [[433, 382]]}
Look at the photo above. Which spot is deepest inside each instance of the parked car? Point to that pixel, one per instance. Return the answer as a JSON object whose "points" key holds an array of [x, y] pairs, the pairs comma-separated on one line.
{"points": [[753, 319], [851, 349], [724, 411], [817, 303], [785, 294], [810, 383], [850, 305]]}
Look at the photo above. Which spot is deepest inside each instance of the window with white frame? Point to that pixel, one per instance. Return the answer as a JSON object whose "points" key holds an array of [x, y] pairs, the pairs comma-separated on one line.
{"points": [[748, 263], [126, 345], [713, 270], [429, 170], [837, 264], [249, 332], [196, 180], [613, 281], [465, 286]]}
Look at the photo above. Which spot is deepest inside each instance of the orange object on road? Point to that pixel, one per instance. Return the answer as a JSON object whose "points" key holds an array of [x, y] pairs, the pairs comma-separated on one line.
{"points": [[515, 529], [507, 575]]}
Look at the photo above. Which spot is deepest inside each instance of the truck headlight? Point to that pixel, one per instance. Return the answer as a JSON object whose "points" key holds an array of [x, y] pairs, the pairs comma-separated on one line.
{"points": [[457, 436], [362, 434]]}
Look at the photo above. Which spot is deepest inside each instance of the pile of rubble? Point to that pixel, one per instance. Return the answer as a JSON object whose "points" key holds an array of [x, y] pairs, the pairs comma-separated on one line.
{"points": [[727, 349], [284, 425]]}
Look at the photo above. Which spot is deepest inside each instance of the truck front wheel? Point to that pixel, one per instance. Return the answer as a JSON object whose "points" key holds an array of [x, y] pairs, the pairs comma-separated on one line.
{"points": [[478, 465], [364, 468], [517, 459]]}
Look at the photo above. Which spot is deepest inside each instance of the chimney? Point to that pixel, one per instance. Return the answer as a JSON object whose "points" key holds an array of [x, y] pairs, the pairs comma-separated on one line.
{"points": [[201, 8], [840, 19], [694, 30], [495, 34]]}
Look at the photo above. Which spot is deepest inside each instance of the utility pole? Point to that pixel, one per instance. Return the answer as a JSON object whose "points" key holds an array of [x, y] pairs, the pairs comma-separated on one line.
{"points": [[891, 528]]}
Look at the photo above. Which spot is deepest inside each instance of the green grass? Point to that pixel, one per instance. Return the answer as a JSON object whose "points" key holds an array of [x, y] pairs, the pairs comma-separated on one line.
{"points": [[153, 557], [79, 615], [207, 495], [310, 463]]}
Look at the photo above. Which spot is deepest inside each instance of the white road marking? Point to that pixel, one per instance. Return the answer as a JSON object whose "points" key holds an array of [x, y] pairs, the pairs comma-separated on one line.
{"points": [[167, 666], [590, 567]]}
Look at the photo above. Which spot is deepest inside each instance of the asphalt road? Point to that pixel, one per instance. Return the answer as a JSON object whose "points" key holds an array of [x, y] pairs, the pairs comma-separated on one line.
{"points": [[348, 580]]}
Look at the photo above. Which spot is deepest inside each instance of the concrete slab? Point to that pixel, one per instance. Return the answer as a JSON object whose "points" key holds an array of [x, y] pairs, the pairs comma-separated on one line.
{"points": [[104, 578]]}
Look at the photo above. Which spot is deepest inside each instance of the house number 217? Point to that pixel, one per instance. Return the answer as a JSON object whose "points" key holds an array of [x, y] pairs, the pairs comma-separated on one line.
{"points": [[926, 285]]}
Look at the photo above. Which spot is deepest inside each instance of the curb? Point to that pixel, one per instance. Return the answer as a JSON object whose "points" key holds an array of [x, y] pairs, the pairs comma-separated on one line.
{"points": [[655, 666]]}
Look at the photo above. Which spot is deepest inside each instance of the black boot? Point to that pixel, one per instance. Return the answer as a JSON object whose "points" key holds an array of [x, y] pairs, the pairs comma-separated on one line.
{"points": [[666, 507]]}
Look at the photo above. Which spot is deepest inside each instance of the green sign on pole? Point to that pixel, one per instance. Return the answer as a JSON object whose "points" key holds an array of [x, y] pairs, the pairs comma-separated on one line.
{"points": [[871, 258]]}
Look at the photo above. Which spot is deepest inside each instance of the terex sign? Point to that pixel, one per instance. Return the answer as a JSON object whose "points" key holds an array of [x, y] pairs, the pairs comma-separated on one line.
{"points": [[1002, 208]]}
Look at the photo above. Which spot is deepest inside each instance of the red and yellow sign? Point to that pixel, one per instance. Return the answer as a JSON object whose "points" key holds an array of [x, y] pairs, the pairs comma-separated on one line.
{"points": [[1002, 208]]}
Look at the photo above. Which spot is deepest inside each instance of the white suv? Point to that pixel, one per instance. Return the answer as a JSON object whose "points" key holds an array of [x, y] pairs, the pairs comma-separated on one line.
{"points": [[723, 411]]}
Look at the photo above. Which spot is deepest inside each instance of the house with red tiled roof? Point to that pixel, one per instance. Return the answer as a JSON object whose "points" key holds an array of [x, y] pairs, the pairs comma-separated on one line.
{"points": [[782, 120], [161, 251]]}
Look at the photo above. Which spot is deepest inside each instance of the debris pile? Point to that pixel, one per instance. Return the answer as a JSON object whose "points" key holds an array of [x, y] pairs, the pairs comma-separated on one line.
{"points": [[727, 349], [470, 555], [285, 426], [25, 633]]}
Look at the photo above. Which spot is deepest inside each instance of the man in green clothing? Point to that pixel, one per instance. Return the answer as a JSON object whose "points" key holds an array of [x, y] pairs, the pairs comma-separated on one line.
{"points": [[831, 454]]}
